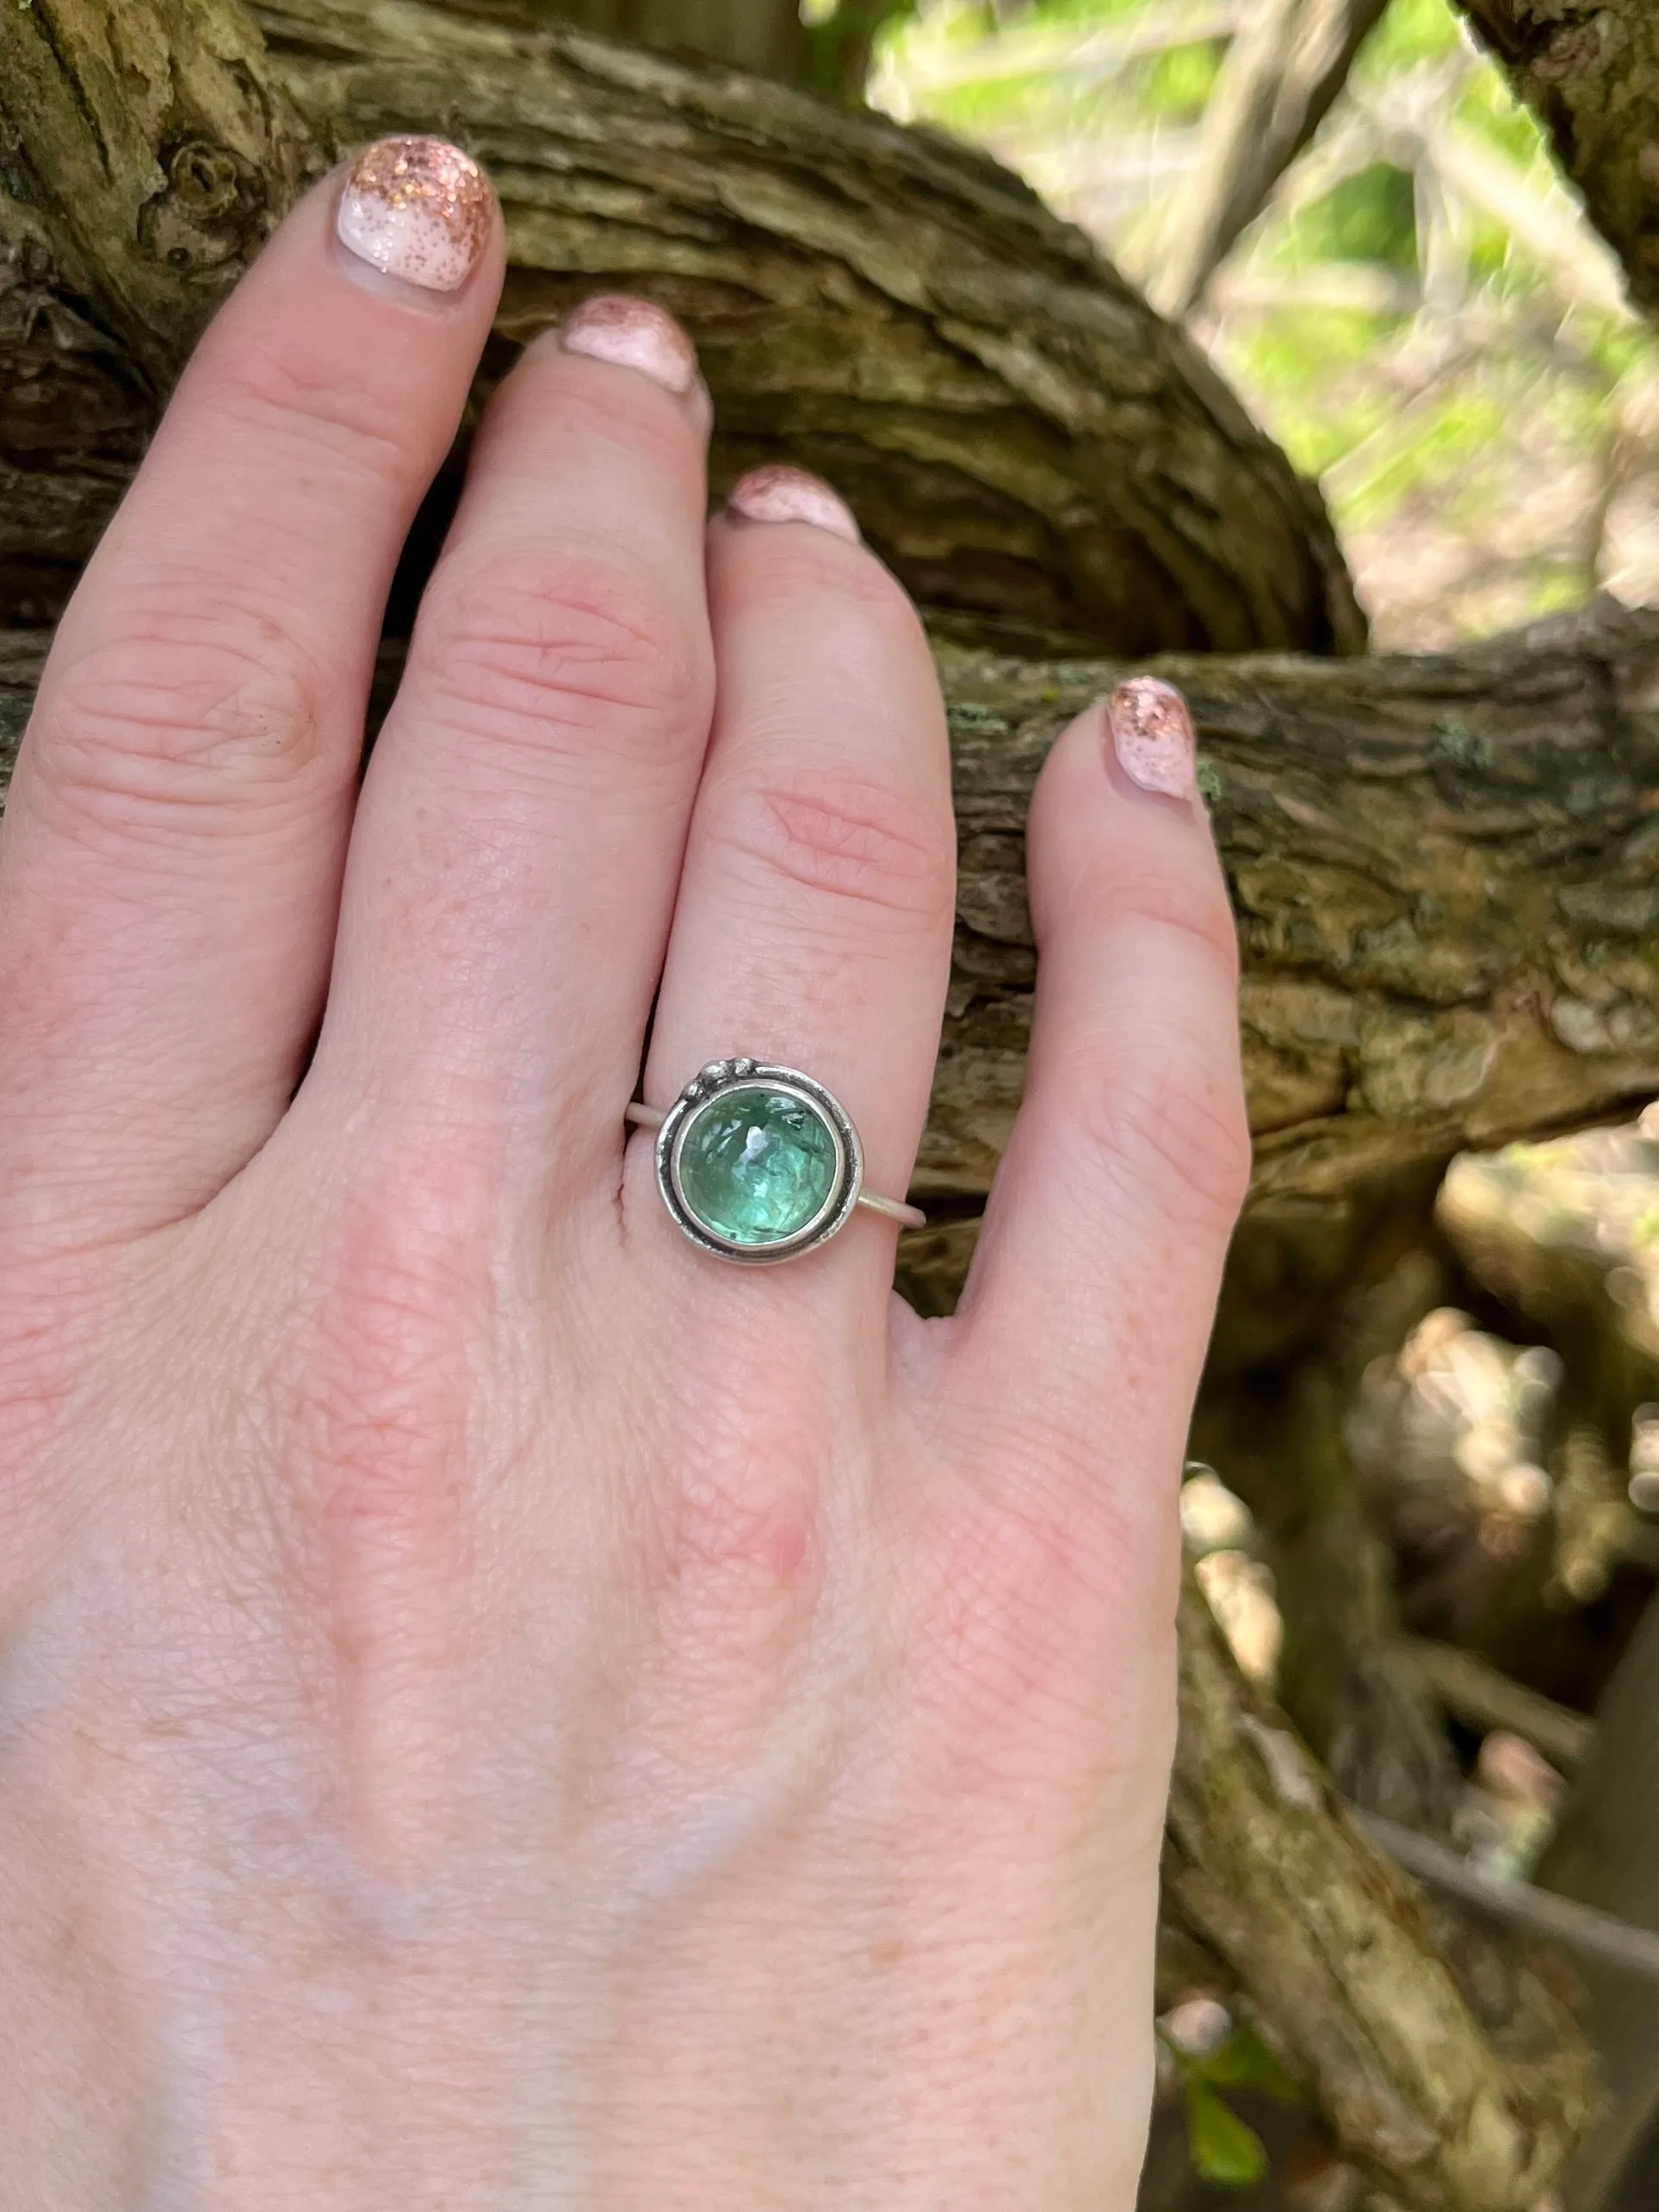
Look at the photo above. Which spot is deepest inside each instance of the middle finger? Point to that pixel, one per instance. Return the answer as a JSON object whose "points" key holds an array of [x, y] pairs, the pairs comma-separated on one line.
{"points": [[512, 869]]}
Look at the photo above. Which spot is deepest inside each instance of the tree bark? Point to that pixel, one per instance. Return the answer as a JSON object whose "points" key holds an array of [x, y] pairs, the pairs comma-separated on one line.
{"points": [[1446, 875], [1372, 2002], [1344, 1676], [1445, 869], [1020, 435], [765, 37], [1590, 69], [160, 149]]}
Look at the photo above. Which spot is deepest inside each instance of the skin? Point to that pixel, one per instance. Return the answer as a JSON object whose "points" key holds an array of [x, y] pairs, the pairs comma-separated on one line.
{"points": [[498, 1710]]}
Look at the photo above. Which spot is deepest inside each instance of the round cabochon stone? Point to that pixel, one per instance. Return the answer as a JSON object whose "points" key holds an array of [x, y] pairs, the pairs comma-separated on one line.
{"points": [[757, 1165]]}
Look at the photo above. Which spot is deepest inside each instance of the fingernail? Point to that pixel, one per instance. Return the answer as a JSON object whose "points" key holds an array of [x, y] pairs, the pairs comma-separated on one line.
{"points": [[418, 208], [1152, 735], [778, 493], [632, 333]]}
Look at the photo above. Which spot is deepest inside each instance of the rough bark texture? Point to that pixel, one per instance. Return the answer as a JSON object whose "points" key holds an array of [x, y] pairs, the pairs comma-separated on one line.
{"points": [[1348, 1976], [1019, 433], [1590, 69], [1446, 874], [159, 150], [766, 37], [144, 155]]}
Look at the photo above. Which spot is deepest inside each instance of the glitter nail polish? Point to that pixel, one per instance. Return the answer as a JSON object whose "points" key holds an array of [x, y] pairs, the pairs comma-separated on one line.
{"points": [[1152, 735], [778, 493], [632, 333], [416, 208]]}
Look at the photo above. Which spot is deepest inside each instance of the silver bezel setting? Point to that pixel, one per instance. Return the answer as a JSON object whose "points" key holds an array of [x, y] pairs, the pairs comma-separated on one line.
{"points": [[714, 1082]]}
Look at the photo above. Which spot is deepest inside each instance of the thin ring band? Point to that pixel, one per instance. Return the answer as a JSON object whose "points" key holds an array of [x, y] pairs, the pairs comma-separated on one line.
{"points": [[899, 1210]]}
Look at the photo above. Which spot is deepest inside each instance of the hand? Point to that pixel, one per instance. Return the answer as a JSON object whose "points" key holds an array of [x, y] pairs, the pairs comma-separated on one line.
{"points": [[500, 1708]]}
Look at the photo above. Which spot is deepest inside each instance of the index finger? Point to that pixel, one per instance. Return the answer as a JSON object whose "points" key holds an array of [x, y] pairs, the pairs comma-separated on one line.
{"points": [[194, 754]]}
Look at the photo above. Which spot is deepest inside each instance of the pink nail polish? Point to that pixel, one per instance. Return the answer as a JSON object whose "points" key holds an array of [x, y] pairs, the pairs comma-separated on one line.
{"points": [[416, 208], [778, 493], [1151, 735], [636, 334]]}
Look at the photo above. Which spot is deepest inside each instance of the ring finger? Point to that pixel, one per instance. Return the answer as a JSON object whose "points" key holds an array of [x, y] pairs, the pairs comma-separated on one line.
{"points": [[813, 927]]}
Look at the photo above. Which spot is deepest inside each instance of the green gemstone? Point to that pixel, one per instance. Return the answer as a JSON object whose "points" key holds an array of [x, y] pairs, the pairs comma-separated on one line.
{"points": [[756, 1165]]}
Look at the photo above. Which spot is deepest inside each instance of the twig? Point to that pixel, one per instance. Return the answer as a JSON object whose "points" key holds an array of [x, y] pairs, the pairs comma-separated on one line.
{"points": [[1041, 52], [1478, 1694], [1544, 223], [1280, 76], [1580, 1927]]}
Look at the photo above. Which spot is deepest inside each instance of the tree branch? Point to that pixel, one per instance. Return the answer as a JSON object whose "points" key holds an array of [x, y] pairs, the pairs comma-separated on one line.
{"points": [[1630, 1950], [1282, 73], [1019, 434], [1481, 1697], [1346, 1976], [1604, 1857], [1590, 69], [156, 150], [1445, 869]]}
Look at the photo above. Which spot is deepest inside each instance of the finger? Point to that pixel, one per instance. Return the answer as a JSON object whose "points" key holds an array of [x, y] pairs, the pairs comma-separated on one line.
{"points": [[1086, 1312], [518, 838], [813, 928], [175, 835]]}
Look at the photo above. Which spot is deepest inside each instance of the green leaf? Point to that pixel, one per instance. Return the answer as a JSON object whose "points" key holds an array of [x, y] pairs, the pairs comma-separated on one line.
{"points": [[1244, 2061], [1223, 2148]]}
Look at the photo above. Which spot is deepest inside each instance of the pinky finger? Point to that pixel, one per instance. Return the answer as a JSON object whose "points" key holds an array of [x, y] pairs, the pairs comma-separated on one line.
{"points": [[1090, 1303]]}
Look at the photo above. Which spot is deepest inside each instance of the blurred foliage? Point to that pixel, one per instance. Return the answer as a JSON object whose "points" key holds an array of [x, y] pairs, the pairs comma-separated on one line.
{"points": [[1209, 2052], [1421, 316]]}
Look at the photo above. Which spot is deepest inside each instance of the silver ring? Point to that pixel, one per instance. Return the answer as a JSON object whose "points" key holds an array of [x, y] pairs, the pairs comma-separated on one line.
{"points": [[758, 1163]]}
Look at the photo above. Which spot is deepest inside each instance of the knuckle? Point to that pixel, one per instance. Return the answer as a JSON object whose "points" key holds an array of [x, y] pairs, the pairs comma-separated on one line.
{"points": [[738, 1514], [738, 1533], [171, 714], [736, 1580], [803, 569], [1195, 914], [370, 1386], [1176, 1126], [315, 414], [849, 838], [531, 650]]}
